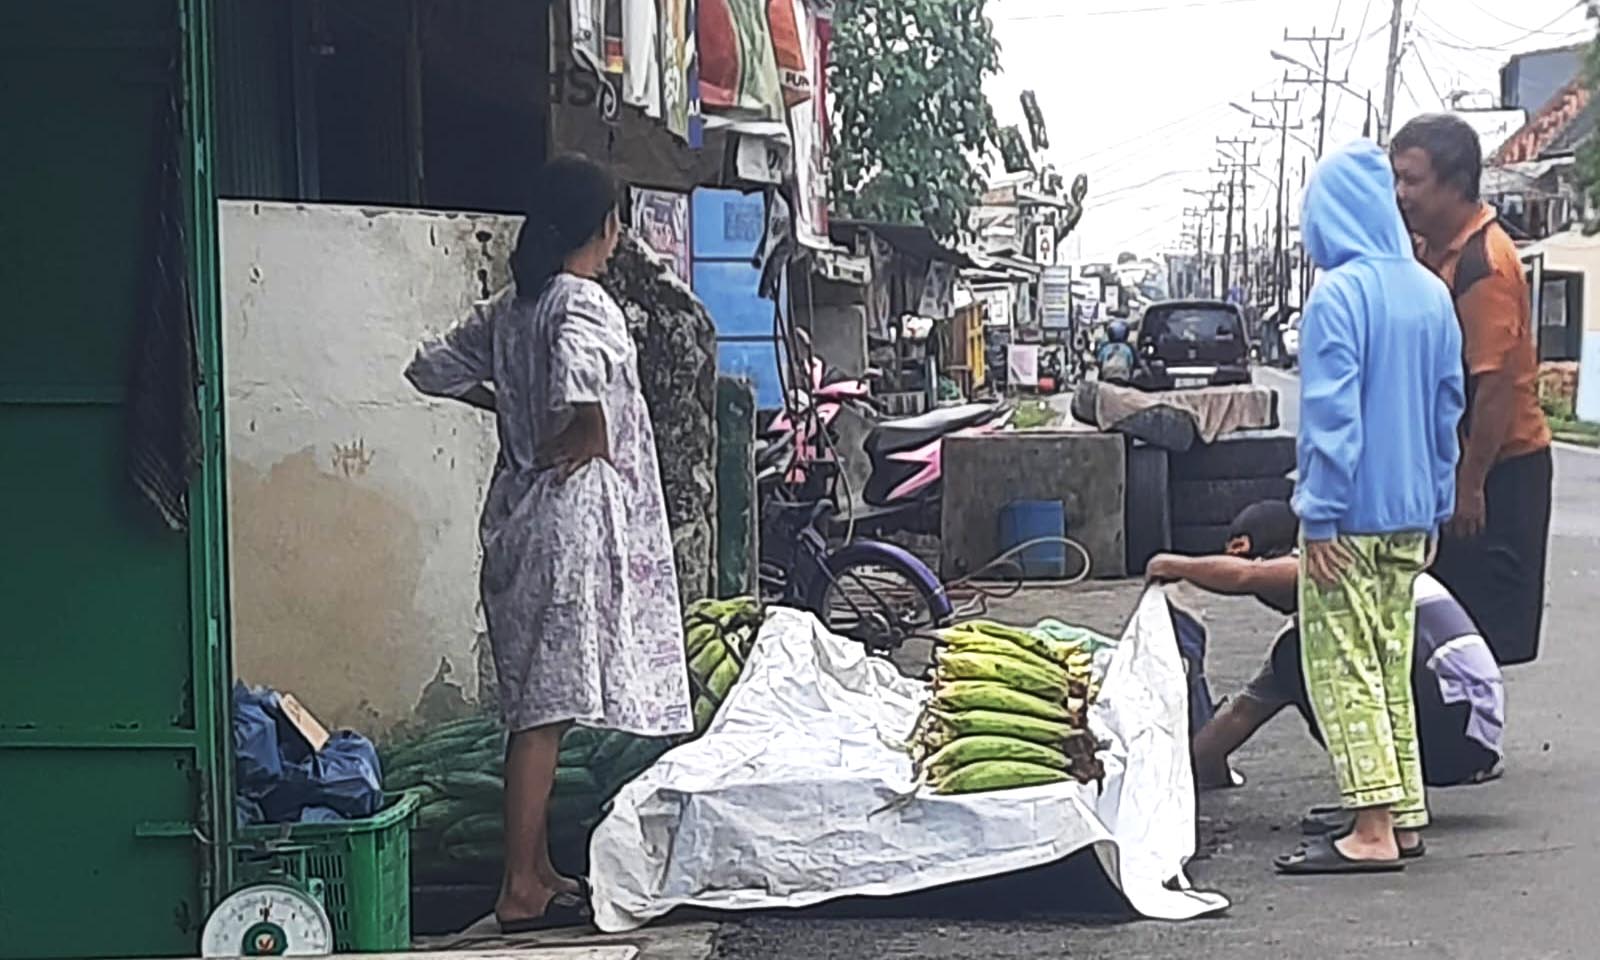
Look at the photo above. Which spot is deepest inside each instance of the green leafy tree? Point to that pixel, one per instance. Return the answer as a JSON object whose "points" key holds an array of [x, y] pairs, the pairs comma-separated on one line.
{"points": [[912, 129], [1588, 158]]}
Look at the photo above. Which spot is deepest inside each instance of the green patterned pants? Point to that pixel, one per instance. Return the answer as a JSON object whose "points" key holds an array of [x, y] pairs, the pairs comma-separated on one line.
{"points": [[1356, 646]]}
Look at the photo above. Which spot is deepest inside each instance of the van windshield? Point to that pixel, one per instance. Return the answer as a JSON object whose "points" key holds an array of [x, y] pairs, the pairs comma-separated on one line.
{"points": [[1191, 324]]}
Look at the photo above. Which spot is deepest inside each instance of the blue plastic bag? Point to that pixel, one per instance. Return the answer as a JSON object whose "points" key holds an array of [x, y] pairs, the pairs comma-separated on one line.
{"points": [[280, 780]]}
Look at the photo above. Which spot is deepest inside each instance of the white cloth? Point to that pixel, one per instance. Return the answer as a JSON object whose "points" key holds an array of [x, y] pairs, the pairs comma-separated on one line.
{"points": [[1022, 365], [579, 587], [641, 64], [774, 807]]}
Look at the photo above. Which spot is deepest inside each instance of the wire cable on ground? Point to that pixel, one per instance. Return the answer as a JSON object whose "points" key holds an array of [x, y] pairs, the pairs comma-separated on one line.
{"points": [[981, 593]]}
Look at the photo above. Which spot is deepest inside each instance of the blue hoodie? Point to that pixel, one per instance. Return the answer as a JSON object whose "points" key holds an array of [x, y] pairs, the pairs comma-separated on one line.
{"points": [[1380, 363]]}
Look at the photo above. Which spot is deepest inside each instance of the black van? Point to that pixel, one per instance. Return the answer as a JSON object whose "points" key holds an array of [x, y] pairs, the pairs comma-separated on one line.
{"points": [[1192, 343]]}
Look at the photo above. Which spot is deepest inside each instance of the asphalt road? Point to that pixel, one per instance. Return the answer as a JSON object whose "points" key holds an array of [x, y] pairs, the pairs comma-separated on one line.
{"points": [[1507, 873]]}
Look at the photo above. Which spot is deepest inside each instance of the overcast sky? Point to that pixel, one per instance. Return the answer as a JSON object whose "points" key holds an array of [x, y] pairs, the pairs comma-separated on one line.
{"points": [[1134, 92]]}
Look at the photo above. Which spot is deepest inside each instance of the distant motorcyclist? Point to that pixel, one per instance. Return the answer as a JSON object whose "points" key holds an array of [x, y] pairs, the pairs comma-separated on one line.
{"points": [[1115, 358]]}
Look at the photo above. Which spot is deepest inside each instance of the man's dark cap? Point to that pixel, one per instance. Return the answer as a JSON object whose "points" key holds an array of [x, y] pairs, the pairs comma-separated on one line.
{"points": [[1271, 525]]}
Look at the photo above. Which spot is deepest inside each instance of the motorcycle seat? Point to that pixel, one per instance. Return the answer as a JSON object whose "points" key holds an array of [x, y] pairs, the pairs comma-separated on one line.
{"points": [[894, 436]]}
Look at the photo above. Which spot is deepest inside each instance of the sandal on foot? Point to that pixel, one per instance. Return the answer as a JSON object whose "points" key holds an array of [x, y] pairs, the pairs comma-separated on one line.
{"points": [[1326, 818], [563, 910], [1416, 851], [1319, 856]]}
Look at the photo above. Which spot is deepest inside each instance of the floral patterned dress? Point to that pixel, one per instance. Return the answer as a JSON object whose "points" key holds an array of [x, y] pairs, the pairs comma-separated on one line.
{"points": [[579, 586]]}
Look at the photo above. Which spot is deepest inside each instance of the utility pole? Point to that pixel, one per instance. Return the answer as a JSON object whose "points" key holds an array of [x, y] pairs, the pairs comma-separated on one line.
{"points": [[1391, 71], [1242, 165], [1280, 123], [1208, 246], [1305, 254], [1196, 219], [1324, 64], [1227, 235]]}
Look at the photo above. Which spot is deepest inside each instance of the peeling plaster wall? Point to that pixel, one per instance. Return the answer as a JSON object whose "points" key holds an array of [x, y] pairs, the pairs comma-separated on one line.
{"points": [[354, 500]]}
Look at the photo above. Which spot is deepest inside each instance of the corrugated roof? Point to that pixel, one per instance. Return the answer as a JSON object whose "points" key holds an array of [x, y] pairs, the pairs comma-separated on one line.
{"points": [[1544, 127], [1575, 132]]}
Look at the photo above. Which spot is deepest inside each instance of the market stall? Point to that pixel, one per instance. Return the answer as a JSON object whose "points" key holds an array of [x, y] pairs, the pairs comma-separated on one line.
{"points": [[804, 790]]}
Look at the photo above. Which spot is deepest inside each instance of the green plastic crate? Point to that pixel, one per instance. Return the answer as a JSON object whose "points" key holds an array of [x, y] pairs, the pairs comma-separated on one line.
{"points": [[363, 869]]}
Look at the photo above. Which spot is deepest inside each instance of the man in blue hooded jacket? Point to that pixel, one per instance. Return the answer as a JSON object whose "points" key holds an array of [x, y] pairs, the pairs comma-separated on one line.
{"points": [[1381, 396]]}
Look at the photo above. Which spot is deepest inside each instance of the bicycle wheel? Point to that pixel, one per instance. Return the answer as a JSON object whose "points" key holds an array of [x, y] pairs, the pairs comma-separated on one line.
{"points": [[879, 595]]}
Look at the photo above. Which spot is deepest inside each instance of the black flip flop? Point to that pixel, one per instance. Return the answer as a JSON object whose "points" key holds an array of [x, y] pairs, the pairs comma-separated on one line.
{"points": [[1318, 856], [1326, 818], [563, 910], [1416, 851]]}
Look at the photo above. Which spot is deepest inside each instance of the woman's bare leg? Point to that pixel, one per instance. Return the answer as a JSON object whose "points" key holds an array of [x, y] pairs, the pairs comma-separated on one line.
{"points": [[530, 878]]}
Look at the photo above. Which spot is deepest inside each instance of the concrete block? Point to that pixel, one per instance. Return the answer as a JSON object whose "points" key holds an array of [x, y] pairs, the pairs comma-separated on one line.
{"points": [[1086, 471]]}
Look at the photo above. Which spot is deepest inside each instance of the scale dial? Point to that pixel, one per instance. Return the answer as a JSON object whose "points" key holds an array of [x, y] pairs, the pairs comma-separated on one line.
{"points": [[268, 920]]}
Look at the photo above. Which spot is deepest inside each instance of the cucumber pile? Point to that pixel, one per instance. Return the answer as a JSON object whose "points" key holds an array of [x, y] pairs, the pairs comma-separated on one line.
{"points": [[458, 767]]}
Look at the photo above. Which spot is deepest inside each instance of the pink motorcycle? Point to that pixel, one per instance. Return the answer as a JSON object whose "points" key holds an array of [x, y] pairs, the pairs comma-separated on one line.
{"points": [[904, 490], [800, 436]]}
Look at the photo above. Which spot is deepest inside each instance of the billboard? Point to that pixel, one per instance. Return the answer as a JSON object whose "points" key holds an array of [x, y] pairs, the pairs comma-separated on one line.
{"points": [[1055, 298]]}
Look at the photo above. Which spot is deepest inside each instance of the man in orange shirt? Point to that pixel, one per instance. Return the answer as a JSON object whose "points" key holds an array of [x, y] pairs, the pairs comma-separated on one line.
{"points": [[1492, 556]]}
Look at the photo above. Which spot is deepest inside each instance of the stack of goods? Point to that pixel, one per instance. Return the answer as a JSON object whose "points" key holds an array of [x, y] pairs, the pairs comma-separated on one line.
{"points": [[1009, 709], [458, 767]]}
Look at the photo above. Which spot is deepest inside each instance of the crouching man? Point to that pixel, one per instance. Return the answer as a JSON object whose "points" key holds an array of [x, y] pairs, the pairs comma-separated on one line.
{"points": [[1459, 696]]}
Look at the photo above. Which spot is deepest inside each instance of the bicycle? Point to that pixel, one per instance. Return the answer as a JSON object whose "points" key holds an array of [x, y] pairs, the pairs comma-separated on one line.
{"points": [[875, 593]]}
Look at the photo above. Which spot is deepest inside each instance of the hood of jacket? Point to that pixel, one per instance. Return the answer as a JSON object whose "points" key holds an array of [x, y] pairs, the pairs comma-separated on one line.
{"points": [[1350, 210]]}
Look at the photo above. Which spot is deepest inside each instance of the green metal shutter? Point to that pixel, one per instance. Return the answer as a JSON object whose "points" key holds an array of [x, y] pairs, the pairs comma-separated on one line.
{"points": [[113, 639]]}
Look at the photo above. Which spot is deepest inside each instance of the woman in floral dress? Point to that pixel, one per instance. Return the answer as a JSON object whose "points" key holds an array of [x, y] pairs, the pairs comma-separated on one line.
{"points": [[578, 581]]}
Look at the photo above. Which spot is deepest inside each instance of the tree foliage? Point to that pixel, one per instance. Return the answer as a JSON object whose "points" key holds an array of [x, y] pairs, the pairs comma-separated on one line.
{"points": [[911, 126], [1588, 158]]}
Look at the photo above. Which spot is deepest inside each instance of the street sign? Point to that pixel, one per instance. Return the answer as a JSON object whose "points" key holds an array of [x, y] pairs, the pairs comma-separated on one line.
{"points": [[1044, 244], [1055, 298]]}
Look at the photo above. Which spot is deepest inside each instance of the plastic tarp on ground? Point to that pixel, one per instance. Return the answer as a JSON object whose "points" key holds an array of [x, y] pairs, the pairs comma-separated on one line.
{"points": [[786, 801]]}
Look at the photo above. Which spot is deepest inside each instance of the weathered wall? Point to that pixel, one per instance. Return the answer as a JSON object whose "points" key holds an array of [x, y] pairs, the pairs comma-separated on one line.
{"points": [[354, 500]]}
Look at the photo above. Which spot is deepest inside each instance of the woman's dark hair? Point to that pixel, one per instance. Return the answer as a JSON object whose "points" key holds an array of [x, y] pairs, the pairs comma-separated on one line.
{"points": [[1451, 145], [572, 198]]}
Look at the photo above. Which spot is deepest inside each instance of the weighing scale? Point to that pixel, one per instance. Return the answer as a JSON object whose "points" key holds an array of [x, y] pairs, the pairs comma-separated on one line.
{"points": [[268, 920]]}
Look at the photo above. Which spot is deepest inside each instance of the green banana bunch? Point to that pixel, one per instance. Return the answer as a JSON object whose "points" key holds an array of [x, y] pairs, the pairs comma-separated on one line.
{"points": [[720, 635], [945, 727], [1009, 709], [988, 695], [967, 750], [986, 775], [1049, 681]]}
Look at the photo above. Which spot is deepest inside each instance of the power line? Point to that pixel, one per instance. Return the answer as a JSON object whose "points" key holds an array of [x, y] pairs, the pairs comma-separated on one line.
{"points": [[1428, 74], [1506, 44], [1355, 48], [1138, 186], [1499, 19], [1180, 122]]}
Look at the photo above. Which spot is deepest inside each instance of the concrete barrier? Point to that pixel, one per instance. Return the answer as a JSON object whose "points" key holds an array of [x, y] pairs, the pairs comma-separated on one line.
{"points": [[1086, 471]]}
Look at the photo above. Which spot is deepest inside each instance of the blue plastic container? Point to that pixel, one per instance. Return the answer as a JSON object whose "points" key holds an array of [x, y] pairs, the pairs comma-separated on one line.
{"points": [[1025, 520]]}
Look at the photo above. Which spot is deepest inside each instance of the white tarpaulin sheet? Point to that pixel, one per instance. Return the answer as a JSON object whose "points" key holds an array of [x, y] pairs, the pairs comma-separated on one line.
{"points": [[774, 807]]}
